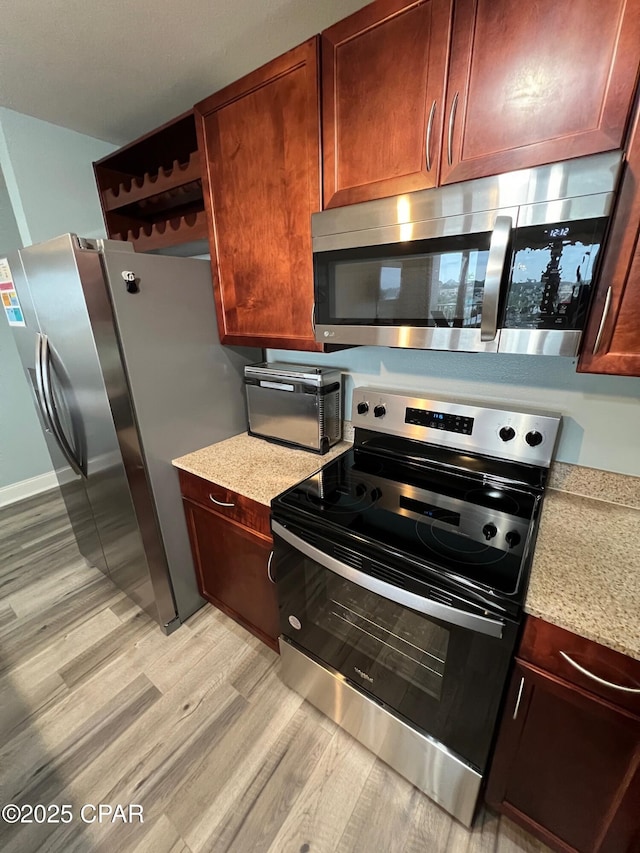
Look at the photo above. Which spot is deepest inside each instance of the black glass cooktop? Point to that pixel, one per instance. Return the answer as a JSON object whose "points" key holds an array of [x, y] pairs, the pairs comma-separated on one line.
{"points": [[444, 512]]}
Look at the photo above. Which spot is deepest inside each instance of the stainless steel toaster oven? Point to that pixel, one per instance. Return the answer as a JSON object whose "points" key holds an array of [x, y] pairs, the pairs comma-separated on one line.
{"points": [[294, 404]]}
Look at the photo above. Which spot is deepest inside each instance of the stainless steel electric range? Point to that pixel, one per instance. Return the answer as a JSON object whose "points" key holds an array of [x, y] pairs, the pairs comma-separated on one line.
{"points": [[401, 568]]}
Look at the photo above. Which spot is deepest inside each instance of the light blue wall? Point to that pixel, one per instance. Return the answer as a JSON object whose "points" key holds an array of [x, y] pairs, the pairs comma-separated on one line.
{"points": [[49, 190], [23, 453], [601, 414], [49, 175]]}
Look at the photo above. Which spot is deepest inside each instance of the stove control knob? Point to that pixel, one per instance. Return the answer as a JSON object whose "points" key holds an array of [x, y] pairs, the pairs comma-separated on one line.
{"points": [[489, 531], [379, 411], [362, 408], [375, 494], [507, 433], [533, 438], [360, 490], [513, 538]]}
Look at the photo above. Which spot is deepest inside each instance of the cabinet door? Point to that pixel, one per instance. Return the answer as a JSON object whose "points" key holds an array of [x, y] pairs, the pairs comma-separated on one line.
{"points": [[232, 565], [612, 337], [564, 762], [261, 142], [533, 83], [383, 78]]}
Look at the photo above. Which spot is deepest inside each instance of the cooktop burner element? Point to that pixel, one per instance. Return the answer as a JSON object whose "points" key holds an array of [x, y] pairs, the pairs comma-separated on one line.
{"points": [[449, 490]]}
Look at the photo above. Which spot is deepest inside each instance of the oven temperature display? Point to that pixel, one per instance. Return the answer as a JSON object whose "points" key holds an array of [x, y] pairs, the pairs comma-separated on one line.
{"points": [[439, 420]]}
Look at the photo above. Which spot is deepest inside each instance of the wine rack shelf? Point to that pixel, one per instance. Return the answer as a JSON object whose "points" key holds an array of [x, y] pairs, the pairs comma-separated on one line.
{"points": [[151, 189]]}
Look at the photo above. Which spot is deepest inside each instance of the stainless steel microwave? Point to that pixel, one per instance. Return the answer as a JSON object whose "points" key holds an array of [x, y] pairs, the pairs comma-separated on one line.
{"points": [[502, 264]]}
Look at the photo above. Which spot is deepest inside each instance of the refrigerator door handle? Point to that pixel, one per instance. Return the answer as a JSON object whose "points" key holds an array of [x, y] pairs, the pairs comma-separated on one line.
{"points": [[48, 406], [40, 386]]}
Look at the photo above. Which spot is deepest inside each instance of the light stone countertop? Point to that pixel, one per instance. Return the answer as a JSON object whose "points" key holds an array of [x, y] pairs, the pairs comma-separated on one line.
{"points": [[254, 467], [586, 569]]}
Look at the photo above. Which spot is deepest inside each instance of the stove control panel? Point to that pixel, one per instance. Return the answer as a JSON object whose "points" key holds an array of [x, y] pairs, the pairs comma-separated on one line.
{"points": [[479, 427], [439, 420]]}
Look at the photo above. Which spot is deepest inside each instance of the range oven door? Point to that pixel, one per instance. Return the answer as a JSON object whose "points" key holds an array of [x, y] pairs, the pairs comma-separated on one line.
{"points": [[441, 669]]}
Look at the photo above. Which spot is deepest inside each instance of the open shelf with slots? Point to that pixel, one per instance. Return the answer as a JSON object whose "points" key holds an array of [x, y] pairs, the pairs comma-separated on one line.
{"points": [[151, 189]]}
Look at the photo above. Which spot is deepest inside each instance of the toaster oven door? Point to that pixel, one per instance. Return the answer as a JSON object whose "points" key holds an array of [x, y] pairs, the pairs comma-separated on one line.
{"points": [[284, 412]]}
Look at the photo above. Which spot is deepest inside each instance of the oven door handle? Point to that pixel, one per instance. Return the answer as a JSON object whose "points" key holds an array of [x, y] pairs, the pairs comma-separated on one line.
{"points": [[479, 624]]}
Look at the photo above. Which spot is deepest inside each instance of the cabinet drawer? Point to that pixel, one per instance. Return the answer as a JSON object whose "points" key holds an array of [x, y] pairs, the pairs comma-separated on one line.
{"points": [[582, 662], [225, 502]]}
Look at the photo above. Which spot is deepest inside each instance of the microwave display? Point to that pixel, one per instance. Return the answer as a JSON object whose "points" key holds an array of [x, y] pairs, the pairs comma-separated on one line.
{"points": [[551, 273]]}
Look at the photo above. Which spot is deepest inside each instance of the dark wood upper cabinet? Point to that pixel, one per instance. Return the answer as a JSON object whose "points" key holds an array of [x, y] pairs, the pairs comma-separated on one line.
{"points": [[534, 83], [260, 139], [383, 80], [612, 337]]}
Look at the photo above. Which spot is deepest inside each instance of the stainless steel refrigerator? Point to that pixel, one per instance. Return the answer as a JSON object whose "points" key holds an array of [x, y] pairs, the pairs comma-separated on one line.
{"points": [[123, 355]]}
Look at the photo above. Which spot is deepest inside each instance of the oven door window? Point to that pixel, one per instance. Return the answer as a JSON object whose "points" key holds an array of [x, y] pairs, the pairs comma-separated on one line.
{"points": [[432, 283], [399, 642], [443, 679]]}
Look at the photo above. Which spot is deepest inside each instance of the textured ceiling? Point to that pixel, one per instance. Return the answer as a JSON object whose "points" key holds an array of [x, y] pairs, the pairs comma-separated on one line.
{"points": [[115, 70]]}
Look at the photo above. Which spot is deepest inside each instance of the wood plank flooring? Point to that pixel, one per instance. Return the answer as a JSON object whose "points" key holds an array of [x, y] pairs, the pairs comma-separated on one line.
{"points": [[98, 706]]}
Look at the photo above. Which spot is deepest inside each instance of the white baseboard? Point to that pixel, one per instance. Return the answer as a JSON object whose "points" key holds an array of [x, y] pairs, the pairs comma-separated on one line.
{"points": [[27, 488]]}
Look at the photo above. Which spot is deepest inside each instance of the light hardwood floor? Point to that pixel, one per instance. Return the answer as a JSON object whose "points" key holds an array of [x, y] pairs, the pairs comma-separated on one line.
{"points": [[98, 706]]}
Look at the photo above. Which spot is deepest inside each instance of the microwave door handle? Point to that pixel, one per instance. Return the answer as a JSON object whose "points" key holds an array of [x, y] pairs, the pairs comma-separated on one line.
{"points": [[444, 612], [493, 279]]}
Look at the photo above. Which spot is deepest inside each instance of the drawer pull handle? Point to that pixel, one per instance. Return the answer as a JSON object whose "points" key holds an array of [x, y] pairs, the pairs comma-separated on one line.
{"points": [[219, 503], [269, 575], [520, 689], [597, 678]]}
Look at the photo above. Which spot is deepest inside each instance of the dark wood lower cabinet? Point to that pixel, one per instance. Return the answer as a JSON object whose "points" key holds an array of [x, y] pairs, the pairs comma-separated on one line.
{"points": [[232, 562], [567, 765]]}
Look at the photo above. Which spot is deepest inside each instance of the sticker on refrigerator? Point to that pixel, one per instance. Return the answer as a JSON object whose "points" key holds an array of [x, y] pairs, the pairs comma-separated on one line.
{"points": [[9, 297]]}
